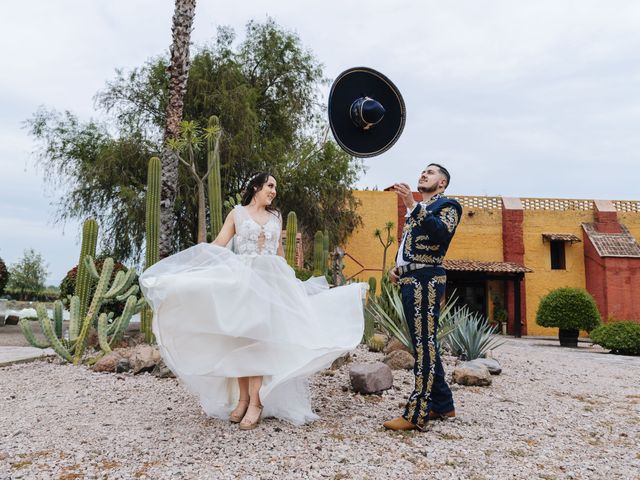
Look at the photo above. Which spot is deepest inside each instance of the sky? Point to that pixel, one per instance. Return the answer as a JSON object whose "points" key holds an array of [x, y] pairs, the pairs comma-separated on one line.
{"points": [[524, 99]]}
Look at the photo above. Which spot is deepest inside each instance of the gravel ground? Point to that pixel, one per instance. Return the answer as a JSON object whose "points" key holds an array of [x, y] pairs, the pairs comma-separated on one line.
{"points": [[554, 413]]}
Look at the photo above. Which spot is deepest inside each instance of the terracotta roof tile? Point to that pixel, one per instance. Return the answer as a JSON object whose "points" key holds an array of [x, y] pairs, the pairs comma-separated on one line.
{"points": [[489, 267], [613, 244], [563, 237]]}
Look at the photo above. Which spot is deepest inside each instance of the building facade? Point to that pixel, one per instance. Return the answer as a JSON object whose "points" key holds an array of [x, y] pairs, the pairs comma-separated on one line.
{"points": [[509, 252]]}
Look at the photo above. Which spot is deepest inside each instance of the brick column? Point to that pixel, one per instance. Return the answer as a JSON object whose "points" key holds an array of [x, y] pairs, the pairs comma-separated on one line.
{"points": [[513, 251], [606, 217]]}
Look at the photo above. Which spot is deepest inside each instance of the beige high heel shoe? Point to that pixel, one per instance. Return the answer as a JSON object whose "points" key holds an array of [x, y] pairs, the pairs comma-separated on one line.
{"points": [[238, 413], [250, 421]]}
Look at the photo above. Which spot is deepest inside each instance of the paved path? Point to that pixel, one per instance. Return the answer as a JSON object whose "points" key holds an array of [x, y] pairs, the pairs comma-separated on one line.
{"points": [[11, 355]]}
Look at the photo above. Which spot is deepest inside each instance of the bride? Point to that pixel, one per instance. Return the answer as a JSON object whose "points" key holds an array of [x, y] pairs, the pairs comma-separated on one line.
{"points": [[238, 329]]}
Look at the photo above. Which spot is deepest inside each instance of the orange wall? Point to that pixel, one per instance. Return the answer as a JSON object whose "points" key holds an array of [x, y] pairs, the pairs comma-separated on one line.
{"points": [[376, 209], [478, 236]]}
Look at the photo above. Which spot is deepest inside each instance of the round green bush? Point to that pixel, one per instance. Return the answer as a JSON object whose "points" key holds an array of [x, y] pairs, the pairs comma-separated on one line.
{"points": [[622, 338], [568, 309], [4, 276]]}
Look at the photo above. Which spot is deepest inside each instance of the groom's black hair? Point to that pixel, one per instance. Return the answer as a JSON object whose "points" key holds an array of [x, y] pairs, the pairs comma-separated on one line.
{"points": [[443, 171]]}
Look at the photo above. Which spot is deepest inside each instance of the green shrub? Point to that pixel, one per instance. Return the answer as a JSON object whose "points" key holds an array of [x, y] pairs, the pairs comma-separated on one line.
{"points": [[622, 338], [568, 309], [302, 274]]}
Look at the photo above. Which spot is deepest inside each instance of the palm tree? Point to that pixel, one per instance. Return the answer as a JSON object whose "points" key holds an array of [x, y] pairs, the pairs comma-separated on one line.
{"points": [[178, 74]]}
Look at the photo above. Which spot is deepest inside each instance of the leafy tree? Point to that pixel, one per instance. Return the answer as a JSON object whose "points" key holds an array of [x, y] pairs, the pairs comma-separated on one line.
{"points": [[264, 90], [4, 276], [29, 273]]}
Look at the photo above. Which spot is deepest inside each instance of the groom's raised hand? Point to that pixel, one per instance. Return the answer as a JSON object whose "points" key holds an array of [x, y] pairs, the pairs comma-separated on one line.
{"points": [[403, 190]]}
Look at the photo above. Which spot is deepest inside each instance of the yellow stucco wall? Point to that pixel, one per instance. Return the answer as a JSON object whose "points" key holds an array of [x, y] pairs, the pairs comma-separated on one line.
{"points": [[478, 236], [376, 209], [537, 256]]}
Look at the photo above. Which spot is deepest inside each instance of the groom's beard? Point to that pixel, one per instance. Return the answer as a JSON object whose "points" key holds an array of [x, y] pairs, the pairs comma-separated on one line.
{"points": [[430, 189]]}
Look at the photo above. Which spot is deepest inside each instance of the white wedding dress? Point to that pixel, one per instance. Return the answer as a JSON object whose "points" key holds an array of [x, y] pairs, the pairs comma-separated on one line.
{"points": [[219, 315]]}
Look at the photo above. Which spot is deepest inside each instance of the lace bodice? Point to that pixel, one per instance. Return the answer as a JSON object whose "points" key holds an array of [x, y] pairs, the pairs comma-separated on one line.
{"points": [[253, 238]]}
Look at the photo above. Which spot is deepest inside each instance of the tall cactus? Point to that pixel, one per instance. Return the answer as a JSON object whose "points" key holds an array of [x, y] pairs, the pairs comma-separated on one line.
{"points": [[325, 253], [83, 279], [292, 235], [318, 253], [152, 235], [71, 349], [372, 286], [213, 134]]}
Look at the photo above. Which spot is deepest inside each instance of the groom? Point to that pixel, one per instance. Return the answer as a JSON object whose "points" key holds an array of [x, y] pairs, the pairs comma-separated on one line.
{"points": [[428, 230]]}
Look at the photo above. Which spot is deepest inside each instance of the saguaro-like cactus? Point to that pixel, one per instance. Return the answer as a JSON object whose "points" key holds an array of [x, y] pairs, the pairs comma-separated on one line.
{"points": [[213, 133], [152, 235], [71, 349], [83, 279], [325, 252], [292, 235], [318, 253]]}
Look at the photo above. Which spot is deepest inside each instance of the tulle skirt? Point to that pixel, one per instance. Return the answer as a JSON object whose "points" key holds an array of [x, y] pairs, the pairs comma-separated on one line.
{"points": [[219, 316]]}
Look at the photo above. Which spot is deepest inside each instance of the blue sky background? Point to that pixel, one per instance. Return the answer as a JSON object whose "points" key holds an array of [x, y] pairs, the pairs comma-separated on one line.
{"points": [[537, 99]]}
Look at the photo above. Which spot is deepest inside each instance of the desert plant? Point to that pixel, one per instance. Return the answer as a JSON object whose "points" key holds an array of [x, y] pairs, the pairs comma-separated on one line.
{"points": [[213, 133], [292, 234], [386, 243], [318, 253], [388, 312], [325, 253], [152, 237], [472, 336], [621, 337], [88, 248], [71, 346], [231, 202], [568, 309]]}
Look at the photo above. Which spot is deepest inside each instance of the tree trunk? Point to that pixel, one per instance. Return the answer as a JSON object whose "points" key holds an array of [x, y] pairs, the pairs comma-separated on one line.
{"points": [[178, 74], [202, 213]]}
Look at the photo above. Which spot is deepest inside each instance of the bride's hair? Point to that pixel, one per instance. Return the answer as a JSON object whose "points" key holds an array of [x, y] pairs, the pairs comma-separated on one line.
{"points": [[254, 186]]}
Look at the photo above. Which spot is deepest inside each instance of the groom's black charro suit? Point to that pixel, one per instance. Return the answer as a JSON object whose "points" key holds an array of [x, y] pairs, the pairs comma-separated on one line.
{"points": [[427, 233]]}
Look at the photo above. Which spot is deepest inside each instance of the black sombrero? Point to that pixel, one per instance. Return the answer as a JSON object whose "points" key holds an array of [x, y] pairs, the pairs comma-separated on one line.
{"points": [[366, 112]]}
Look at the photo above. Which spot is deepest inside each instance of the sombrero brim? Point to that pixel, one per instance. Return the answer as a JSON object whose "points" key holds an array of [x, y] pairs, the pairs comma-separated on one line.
{"points": [[365, 82]]}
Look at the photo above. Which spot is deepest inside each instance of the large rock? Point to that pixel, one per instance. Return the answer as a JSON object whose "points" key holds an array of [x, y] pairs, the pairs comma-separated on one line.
{"points": [[393, 345], [468, 373], [370, 377], [11, 320], [491, 363], [399, 360], [107, 363], [144, 358]]}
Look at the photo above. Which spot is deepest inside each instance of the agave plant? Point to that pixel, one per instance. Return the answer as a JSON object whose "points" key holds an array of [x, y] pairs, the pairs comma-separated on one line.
{"points": [[388, 313], [472, 336]]}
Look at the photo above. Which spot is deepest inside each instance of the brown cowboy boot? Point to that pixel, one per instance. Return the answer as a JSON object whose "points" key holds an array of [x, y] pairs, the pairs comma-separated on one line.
{"points": [[400, 424]]}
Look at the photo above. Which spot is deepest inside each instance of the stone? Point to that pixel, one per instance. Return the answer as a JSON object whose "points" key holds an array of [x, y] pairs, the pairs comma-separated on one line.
{"points": [[399, 360], [471, 374], [12, 320], [370, 377], [144, 358], [162, 371], [491, 363], [393, 345], [107, 363], [341, 361], [123, 366]]}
